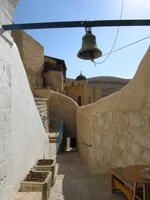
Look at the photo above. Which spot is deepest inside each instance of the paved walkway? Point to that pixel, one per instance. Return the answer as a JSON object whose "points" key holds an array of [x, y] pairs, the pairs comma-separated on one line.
{"points": [[74, 182]]}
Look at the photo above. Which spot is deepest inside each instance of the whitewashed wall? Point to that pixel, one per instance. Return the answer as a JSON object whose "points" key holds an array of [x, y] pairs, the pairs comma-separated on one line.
{"points": [[22, 136]]}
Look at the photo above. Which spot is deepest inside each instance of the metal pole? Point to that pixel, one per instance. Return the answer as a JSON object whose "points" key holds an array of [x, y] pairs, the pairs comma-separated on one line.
{"points": [[75, 24]]}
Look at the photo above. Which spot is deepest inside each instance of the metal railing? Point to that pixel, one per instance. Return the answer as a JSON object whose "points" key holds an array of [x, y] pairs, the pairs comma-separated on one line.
{"points": [[59, 136]]}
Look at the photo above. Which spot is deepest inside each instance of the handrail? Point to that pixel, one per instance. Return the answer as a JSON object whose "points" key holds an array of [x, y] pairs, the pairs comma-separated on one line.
{"points": [[59, 136]]}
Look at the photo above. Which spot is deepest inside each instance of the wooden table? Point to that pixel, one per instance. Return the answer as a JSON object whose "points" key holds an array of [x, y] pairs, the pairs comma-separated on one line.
{"points": [[129, 181]]}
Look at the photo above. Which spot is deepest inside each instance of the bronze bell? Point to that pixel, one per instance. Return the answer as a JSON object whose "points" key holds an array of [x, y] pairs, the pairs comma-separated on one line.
{"points": [[89, 49]]}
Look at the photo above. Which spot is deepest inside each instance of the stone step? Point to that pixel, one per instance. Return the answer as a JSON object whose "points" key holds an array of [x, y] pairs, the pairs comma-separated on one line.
{"points": [[52, 137], [43, 108], [55, 174]]}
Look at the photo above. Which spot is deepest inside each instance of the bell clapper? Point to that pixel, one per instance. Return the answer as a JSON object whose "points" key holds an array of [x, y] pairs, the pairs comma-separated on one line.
{"points": [[94, 63]]}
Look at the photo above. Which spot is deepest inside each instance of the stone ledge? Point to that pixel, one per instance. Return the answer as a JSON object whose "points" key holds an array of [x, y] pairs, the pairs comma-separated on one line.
{"points": [[28, 196], [52, 137]]}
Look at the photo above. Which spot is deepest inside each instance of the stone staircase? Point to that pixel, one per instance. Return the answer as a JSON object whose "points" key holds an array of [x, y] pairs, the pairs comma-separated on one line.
{"points": [[43, 108]]}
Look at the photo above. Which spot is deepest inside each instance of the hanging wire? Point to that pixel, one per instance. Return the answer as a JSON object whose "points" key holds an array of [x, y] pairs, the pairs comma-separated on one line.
{"points": [[128, 45], [114, 43]]}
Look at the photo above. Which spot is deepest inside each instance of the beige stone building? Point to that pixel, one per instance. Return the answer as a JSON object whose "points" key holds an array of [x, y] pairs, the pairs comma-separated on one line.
{"points": [[82, 92], [42, 71], [50, 73], [54, 73], [46, 76], [31, 53], [60, 97]]}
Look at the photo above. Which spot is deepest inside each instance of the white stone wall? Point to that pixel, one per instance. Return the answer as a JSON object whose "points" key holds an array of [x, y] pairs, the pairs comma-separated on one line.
{"points": [[22, 136]]}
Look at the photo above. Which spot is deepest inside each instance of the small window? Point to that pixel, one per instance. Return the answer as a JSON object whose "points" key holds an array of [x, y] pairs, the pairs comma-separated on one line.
{"points": [[89, 100], [79, 100]]}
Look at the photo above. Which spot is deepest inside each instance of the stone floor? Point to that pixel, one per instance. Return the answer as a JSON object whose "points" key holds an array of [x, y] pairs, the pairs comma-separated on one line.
{"points": [[75, 183]]}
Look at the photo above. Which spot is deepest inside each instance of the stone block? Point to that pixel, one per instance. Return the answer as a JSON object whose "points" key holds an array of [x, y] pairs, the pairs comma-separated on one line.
{"points": [[55, 173], [136, 120], [146, 156], [40, 186], [28, 196], [46, 165]]}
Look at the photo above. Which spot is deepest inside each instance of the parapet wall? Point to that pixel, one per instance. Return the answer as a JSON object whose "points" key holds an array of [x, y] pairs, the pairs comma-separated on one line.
{"points": [[117, 127], [61, 107]]}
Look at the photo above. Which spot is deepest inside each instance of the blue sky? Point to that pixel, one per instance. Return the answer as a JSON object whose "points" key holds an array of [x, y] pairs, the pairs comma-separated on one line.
{"points": [[65, 43]]}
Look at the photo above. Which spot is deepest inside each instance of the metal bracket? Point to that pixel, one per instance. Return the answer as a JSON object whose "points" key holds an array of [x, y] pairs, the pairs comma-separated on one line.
{"points": [[2, 30]]}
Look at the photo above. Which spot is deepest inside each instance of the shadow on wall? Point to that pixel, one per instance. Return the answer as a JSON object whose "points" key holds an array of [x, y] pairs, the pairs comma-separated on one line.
{"points": [[118, 126], [61, 107]]}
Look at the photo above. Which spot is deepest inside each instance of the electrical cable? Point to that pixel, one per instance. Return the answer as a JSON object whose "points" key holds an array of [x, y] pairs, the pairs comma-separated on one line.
{"points": [[128, 45], [115, 40]]}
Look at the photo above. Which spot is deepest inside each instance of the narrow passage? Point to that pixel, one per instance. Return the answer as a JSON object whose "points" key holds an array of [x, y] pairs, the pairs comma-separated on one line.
{"points": [[75, 183]]}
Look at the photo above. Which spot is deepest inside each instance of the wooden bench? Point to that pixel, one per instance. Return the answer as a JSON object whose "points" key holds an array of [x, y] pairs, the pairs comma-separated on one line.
{"points": [[130, 182]]}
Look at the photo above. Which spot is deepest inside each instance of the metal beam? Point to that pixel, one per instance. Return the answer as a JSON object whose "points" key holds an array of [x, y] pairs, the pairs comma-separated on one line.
{"points": [[73, 24]]}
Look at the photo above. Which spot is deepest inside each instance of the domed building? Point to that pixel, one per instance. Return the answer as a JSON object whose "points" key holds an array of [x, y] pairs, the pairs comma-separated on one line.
{"points": [[81, 77], [81, 92]]}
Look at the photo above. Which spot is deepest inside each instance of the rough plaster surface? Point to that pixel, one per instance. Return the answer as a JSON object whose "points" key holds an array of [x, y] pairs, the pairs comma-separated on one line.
{"points": [[22, 136], [60, 107], [54, 80], [32, 55], [118, 126]]}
